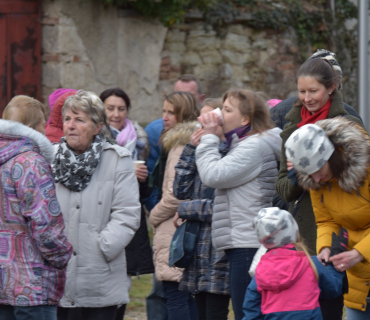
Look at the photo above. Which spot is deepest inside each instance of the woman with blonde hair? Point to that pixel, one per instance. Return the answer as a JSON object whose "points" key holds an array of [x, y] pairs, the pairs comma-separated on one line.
{"points": [[35, 250], [179, 115], [244, 179]]}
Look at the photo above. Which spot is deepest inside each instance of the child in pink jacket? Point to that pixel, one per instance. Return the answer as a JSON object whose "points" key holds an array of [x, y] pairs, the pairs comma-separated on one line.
{"points": [[288, 282]]}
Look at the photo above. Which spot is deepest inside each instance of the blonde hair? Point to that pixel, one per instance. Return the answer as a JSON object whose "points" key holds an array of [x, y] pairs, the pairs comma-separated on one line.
{"points": [[300, 246], [89, 103], [24, 109], [184, 106], [252, 105], [213, 103]]}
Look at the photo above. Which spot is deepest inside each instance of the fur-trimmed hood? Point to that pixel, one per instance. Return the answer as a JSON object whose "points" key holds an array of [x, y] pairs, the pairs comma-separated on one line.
{"points": [[354, 143], [23, 139], [179, 135]]}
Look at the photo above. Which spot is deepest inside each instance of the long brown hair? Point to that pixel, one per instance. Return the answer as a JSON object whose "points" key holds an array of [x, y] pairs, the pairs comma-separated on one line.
{"points": [[300, 246], [322, 71], [184, 106], [252, 105]]}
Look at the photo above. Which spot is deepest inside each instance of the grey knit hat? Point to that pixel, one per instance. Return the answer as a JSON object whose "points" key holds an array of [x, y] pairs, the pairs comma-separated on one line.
{"points": [[329, 56], [275, 227], [308, 148]]}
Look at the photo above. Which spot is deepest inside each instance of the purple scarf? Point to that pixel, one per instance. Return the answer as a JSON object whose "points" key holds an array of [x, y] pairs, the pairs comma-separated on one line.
{"points": [[241, 132]]}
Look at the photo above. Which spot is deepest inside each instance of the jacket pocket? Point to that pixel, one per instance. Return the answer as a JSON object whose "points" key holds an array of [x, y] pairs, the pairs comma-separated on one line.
{"points": [[89, 253]]}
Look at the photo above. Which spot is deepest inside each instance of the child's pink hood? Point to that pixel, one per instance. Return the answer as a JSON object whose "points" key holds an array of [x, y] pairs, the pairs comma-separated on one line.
{"points": [[286, 281], [292, 265]]}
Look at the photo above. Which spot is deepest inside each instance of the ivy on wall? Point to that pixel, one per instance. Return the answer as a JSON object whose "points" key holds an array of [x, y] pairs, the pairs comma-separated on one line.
{"points": [[315, 24]]}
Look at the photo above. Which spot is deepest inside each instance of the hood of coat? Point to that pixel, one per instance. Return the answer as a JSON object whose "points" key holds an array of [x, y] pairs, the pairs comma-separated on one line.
{"points": [[179, 135], [16, 138], [54, 130], [354, 143], [280, 268], [271, 137], [121, 151]]}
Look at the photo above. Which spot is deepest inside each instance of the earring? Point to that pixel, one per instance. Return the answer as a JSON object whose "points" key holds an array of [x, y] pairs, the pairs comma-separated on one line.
{"points": [[329, 93]]}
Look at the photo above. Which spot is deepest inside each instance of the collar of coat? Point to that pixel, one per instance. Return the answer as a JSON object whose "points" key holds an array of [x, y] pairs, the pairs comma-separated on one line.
{"points": [[179, 135], [336, 109], [13, 128], [121, 151], [354, 142]]}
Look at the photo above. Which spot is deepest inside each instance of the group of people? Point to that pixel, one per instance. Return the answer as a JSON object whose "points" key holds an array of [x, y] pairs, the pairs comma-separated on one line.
{"points": [[74, 188]]}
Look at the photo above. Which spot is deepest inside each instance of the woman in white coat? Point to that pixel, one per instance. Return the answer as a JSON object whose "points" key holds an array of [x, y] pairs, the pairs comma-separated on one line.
{"points": [[244, 179], [99, 196]]}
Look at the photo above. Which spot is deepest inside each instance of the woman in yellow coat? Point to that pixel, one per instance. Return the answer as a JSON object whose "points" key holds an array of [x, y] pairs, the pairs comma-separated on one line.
{"points": [[332, 161]]}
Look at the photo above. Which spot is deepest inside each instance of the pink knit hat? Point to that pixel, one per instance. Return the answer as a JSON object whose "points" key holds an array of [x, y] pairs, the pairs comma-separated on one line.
{"points": [[273, 102], [55, 95]]}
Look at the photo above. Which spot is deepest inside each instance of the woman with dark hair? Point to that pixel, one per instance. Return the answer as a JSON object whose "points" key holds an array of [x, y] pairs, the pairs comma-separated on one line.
{"points": [[132, 136], [332, 159], [319, 99], [128, 134]]}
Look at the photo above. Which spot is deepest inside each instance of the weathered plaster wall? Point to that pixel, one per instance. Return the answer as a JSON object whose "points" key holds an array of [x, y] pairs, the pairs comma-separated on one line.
{"points": [[87, 46]]}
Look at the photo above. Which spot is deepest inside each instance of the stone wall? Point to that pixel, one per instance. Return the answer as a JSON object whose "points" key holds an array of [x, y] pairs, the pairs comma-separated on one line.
{"points": [[87, 46], [261, 60]]}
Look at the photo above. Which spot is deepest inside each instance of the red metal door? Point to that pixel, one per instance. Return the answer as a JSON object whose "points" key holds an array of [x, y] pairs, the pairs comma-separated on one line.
{"points": [[20, 49]]}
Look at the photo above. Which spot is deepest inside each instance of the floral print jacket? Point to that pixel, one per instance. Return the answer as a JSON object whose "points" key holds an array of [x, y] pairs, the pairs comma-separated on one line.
{"points": [[34, 250]]}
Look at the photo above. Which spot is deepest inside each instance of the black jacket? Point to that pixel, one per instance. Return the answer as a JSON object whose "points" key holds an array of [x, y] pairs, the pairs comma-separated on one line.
{"points": [[139, 255], [279, 112]]}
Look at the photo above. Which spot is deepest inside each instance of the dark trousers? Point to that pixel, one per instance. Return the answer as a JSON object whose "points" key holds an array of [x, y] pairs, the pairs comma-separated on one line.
{"points": [[120, 312], [212, 306], [332, 309], [28, 313], [240, 262], [180, 304], [156, 304], [105, 313]]}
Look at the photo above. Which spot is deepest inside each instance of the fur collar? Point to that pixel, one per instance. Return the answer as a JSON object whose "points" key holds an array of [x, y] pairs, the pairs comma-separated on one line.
{"points": [[178, 135], [13, 128], [355, 145]]}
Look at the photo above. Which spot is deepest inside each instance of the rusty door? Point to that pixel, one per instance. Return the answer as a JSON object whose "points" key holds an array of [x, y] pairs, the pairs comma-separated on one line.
{"points": [[20, 49]]}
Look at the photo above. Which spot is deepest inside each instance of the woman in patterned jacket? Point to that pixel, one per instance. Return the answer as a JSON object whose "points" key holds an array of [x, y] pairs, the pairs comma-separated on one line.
{"points": [[34, 250]]}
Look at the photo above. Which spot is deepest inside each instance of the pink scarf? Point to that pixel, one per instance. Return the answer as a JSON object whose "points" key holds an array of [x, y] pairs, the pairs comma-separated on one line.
{"points": [[127, 137]]}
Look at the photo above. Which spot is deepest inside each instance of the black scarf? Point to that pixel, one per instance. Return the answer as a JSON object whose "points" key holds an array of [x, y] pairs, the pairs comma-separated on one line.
{"points": [[75, 171]]}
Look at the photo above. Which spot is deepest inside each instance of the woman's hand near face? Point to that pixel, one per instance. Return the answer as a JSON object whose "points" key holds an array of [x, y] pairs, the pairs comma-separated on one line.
{"points": [[141, 173], [323, 256], [346, 260], [289, 165], [195, 137], [210, 122]]}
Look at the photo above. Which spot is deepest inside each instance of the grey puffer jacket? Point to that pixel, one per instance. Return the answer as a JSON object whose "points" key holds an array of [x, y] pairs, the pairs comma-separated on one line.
{"points": [[244, 181], [100, 222]]}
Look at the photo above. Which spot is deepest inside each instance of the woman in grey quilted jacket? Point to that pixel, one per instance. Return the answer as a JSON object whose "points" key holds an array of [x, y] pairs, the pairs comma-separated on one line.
{"points": [[244, 179]]}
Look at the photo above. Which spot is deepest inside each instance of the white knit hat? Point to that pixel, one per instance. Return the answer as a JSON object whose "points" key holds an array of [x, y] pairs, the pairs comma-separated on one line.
{"points": [[329, 56], [275, 227], [308, 149]]}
